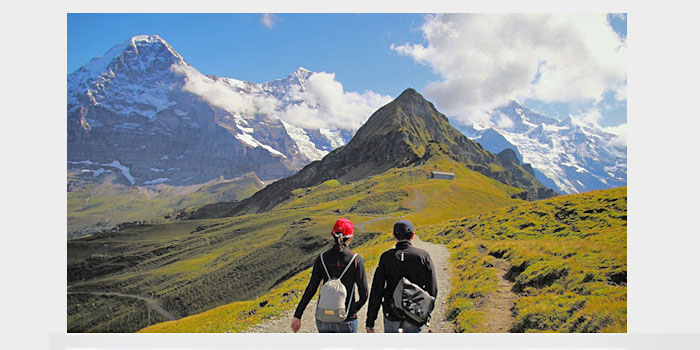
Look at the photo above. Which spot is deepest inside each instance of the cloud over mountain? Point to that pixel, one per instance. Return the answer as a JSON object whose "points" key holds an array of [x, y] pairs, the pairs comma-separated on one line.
{"points": [[486, 60], [322, 96], [325, 96], [221, 95]]}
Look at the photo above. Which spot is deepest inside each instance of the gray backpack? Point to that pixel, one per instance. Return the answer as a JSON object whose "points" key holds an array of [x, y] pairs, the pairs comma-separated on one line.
{"points": [[331, 302], [412, 301]]}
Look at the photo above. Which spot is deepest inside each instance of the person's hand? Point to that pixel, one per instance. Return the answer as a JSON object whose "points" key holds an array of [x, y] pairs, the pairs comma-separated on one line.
{"points": [[296, 324], [370, 329]]}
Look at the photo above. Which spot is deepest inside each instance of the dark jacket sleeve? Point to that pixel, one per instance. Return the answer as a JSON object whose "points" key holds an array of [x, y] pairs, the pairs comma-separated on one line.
{"points": [[376, 294], [432, 284], [361, 283], [310, 288]]}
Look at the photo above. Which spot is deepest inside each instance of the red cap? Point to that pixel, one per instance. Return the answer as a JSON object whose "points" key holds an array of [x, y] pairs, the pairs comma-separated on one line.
{"points": [[343, 226]]}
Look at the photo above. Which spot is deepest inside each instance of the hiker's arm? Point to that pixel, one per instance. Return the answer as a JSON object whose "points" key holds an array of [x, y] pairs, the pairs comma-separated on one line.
{"points": [[376, 294], [432, 283], [310, 289], [361, 284]]}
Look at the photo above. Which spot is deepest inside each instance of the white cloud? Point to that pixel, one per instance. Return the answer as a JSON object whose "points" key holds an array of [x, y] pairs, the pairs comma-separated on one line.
{"points": [[621, 91], [485, 60], [504, 122], [620, 132], [328, 106], [592, 116], [223, 96], [269, 20]]}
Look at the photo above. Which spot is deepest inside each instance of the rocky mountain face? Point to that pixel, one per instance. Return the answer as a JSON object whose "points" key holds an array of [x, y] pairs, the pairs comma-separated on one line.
{"points": [[133, 112], [406, 131], [566, 155]]}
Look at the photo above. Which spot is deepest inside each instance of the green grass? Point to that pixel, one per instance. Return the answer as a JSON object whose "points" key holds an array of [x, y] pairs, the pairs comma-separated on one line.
{"points": [[240, 316], [194, 266], [94, 207], [568, 262], [108, 314], [567, 255]]}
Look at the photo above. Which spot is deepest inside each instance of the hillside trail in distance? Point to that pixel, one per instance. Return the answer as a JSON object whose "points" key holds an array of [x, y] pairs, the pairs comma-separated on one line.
{"points": [[498, 307], [152, 303], [438, 253]]}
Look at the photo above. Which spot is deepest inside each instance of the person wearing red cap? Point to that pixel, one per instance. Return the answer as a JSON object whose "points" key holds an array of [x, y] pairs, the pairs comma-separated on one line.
{"points": [[334, 263]]}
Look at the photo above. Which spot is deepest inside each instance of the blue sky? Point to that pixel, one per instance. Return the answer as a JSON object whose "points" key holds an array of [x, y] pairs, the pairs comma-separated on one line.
{"points": [[383, 53], [353, 46]]}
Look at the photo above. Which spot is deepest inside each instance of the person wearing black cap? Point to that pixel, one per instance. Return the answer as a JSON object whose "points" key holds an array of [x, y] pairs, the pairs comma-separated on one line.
{"points": [[404, 260]]}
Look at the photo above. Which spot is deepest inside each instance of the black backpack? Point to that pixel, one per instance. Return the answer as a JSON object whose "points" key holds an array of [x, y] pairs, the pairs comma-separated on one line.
{"points": [[412, 301]]}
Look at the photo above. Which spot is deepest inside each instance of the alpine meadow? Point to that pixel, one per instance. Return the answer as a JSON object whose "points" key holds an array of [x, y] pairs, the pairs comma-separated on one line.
{"points": [[190, 213]]}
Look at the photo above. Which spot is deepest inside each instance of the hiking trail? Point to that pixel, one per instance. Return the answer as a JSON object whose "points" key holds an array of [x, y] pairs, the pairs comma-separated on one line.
{"points": [[499, 305], [438, 253]]}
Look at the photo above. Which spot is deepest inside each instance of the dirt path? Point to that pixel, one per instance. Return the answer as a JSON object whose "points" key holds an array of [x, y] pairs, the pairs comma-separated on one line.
{"points": [[438, 253], [150, 302], [499, 305]]}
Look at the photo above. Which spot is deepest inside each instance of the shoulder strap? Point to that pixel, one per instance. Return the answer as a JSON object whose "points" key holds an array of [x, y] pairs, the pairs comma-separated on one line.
{"points": [[396, 258], [347, 266], [352, 296], [324, 267]]}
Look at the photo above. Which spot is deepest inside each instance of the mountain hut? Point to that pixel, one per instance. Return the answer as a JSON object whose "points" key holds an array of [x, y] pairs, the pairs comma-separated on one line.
{"points": [[442, 175]]}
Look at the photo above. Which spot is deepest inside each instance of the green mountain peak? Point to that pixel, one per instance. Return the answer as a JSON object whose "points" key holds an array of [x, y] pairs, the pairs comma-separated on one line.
{"points": [[408, 130]]}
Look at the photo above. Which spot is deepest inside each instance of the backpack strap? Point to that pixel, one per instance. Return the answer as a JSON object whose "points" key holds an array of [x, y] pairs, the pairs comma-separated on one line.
{"points": [[352, 292], [346, 266], [324, 267], [352, 296], [396, 310]]}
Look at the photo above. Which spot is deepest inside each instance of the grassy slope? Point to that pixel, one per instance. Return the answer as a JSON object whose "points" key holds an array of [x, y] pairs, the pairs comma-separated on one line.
{"points": [[385, 197], [99, 206], [86, 313], [568, 254], [568, 258]]}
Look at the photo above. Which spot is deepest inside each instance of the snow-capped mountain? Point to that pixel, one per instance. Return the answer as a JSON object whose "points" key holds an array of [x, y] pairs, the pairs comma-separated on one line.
{"points": [[567, 156], [143, 112]]}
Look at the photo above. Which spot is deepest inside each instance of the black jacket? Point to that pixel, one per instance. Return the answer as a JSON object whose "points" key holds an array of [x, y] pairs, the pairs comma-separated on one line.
{"points": [[403, 261], [335, 263]]}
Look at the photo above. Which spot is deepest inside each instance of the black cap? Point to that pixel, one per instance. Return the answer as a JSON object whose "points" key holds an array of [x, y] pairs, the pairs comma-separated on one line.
{"points": [[403, 229]]}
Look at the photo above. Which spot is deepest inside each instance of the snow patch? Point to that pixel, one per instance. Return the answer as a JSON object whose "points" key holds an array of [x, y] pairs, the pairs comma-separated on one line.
{"points": [[244, 129], [303, 142], [156, 181], [125, 170], [252, 142], [333, 137], [83, 162]]}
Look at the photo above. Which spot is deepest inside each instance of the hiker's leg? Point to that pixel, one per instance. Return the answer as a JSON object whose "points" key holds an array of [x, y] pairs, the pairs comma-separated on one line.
{"points": [[353, 326], [325, 327], [410, 327], [346, 327], [391, 326]]}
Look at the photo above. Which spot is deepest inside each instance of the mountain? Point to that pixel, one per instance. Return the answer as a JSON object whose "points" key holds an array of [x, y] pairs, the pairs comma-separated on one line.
{"points": [[566, 155], [143, 112], [408, 130]]}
